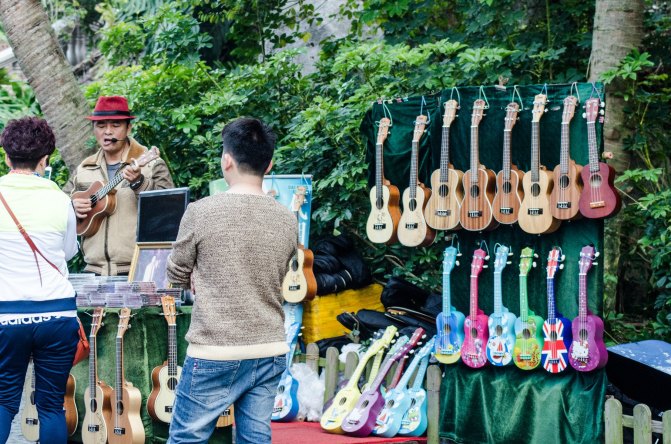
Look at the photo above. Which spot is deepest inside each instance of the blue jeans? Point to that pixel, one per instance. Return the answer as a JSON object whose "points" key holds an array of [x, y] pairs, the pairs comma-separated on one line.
{"points": [[207, 388], [53, 344]]}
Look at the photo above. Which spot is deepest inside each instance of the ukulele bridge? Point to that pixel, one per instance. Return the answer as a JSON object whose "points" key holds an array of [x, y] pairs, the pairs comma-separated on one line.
{"points": [[525, 357], [379, 226], [294, 287], [535, 211], [93, 428], [168, 409], [599, 204], [443, 213], [32, 421], [475, 213], [119, 430], [506, 210], [563, 205], [411, 226]]}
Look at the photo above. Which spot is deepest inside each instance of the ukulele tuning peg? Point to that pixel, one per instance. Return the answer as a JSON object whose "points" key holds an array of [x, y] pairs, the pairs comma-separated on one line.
{"points": [[584, 115], [533, 264], [487, 257], [561, 267], [458, 254], [510, 254], [509, 262], [602, 104], [536, 255], [602, 112], [597, 254], [563, 257], [595, 263], [457, 263], [485, 266]]}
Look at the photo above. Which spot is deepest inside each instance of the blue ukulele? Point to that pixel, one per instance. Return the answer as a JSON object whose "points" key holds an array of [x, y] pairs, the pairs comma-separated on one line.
{"points": [[502, 322], [286, 400], [450, 322]]}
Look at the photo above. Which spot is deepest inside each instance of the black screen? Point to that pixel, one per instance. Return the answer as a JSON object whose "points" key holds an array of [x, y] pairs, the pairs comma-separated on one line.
{"points": [[159, 214]]}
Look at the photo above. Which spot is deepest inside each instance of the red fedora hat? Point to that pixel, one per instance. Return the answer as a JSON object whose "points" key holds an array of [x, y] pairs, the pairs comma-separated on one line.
{"points": [[111, 108]]}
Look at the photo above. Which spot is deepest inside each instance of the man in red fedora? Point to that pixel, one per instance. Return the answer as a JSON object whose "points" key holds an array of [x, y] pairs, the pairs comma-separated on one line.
{"points": [[110, 249]]}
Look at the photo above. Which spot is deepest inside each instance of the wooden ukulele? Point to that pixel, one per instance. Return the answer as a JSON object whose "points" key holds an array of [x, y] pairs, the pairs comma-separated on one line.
{"points": [[70, 407], [103, 199], [587, 352], [509, 180], [476, 209], [345, 400], [444, 207], [126, 424], [535, 216], [556, 329], [363, 417], [164, 378], [30, 423], [599, 198], [384, 197], [473, 352], [449, 322], [299, 283], [528, 327], [98, 395], [502, 322], [412, 228], [567, 182]]}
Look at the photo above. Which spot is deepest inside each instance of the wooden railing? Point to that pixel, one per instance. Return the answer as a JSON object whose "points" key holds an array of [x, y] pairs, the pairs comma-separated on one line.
{"points": [[641, 422]]}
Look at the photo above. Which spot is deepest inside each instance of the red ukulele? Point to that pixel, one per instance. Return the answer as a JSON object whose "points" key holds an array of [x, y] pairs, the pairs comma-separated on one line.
{"points": [[599, 198], [474, 349]]}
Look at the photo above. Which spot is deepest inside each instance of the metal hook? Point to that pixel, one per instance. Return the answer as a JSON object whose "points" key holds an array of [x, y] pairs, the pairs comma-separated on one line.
{"points": [[452, 91], [544, 91], [516, 92], [482, 95], [387, 114], [595, 90], [484, 242], [574, 85], [421, 110], [454, 236]]}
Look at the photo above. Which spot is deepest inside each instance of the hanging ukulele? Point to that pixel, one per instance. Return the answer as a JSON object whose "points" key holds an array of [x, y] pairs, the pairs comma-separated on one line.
{"points": [[412, 229], [587, 352], [384, 197], [473, 351], [599, 198], [528, 327], [442, 210], [535, 216], [509, 180], [286, 399], [567, 182], [450, 322], [556, 329], [502, 322], [299, 283]]}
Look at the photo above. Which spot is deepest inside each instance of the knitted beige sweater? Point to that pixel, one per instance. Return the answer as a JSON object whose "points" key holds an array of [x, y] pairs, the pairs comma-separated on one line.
{"points": [[236, 247]]}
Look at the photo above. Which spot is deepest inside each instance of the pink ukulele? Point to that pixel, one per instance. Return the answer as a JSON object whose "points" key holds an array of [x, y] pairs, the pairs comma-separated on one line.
{"points": [[587, 352], [474, 349]]}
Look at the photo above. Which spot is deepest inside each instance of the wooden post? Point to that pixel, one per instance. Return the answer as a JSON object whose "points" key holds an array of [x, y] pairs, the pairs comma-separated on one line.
{"points": [[434, 377], [613, 414], [642, 424], [331, 375], [666, 427], [312, 357], [351, 362]]}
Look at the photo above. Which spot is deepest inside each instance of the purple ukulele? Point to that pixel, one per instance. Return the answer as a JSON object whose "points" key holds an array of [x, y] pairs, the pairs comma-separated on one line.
{"points": [[587, 352], [474, 348], [362, 419]]}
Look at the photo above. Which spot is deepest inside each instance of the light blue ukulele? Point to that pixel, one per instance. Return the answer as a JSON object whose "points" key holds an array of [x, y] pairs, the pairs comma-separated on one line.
{"points": [[450, 322], [286, 400], [501, 322]]}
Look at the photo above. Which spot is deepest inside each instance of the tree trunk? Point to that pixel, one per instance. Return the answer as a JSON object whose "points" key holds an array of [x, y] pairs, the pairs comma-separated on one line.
{"points": [[618, 28], [49, 74]]}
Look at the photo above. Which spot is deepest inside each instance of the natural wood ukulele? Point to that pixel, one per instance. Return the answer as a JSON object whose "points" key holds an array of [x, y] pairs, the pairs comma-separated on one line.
{"points": [[509, 180], [299, 283], [443, 209], [412, 229], [567, 181], [164, 378], [476, 209], [103, 199], [126, 424], [384, 197]]}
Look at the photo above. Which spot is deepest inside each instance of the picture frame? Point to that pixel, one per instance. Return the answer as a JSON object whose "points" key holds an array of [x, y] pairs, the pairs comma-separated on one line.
{"points": [[149, 263]]}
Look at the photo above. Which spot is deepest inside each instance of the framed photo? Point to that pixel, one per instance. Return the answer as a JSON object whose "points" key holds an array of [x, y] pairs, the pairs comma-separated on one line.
{"points": [[149, 263]]}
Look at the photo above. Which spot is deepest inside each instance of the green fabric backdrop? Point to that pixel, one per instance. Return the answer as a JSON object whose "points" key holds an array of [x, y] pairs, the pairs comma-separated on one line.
{"points": [[145, 347], [494, 404]]}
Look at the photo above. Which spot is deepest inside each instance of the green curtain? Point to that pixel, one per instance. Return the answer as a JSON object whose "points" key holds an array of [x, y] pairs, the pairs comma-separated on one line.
{"points": [[481, 399], [145, 347]]}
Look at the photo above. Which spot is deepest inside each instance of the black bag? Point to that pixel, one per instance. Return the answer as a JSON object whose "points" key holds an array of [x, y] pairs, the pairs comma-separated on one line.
{"points": [[400, 293]]}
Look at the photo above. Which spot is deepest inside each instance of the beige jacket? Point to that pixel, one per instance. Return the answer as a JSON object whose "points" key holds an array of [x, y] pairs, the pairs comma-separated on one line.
{"points": [[110, 250]]}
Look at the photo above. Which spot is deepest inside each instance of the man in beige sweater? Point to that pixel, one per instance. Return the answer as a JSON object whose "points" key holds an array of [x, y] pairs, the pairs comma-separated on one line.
{"points": [[233, 249]]}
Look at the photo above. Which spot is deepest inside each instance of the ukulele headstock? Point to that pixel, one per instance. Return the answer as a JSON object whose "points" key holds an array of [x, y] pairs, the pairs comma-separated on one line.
{"points": [[383, 130], [512, 109], [527, 261], [555, 259], [478, 112], [501, 258], [124, 318], [97, 320], [539, 107], [478, 263], [450, 259], [587, 256], [591, 109], [570, 103], [169, 311], [420, 126], [451, 107]]}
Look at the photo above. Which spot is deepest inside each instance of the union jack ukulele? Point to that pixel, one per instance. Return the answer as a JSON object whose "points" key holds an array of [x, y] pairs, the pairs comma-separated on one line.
{"points": [[557, 334]]}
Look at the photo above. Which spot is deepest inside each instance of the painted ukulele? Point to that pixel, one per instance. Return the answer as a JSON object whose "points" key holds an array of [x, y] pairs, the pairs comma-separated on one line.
{"points": [[98, 395], [444, 207], [567, 182], [450, 322], [299, 283], [126, 424], [286, 399], [528, 327], [384, 197], [103, 200], [473, 351], [509, 180], [398, 400], [556, 329], [535, 216], [363, 417], [412, 228], [599, 198], [501, 322], [164, 378], [345, 400], [587, 352], [476, 209]]}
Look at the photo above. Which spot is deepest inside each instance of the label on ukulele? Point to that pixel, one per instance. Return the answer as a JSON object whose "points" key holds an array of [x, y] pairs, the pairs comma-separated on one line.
{"points": [[119, 430], [535, 211], [379, 226], [506, 210], [411, 226], [475, 214], [563, 205], [443, 213], [168, 409], [294, 287], [31, 421], [93, 428]]}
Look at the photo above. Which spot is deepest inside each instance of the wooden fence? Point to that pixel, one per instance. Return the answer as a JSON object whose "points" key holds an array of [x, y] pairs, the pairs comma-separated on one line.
{"points": [[641, 422]]}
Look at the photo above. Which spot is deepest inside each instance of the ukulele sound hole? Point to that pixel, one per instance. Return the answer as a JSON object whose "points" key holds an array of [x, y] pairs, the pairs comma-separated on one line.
{"points": [[94, 406], [119, 408], [475, 191], [535, 190], [526, 333], [595, 180], [499, 330], [294, 264], [564, 181], [442, 190], [474, 332], [507, 188], [379, 203], [412, 204], [413, 402], [365, 404], [390, 403], [553, 336], [172, 383], [343, 401], [583, 335], [446, 329]]}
